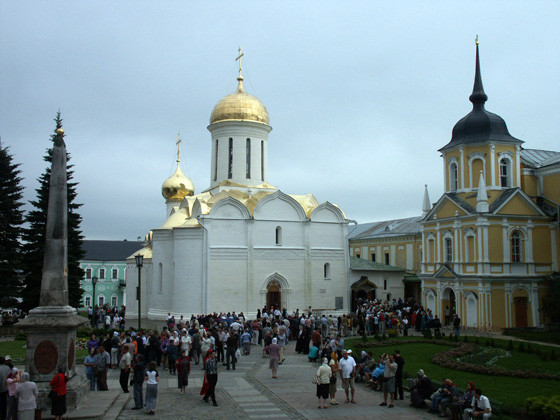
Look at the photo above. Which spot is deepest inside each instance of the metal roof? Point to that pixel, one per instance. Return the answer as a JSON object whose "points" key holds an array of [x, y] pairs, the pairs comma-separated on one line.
{"points": [[110, 250], [387, 228], [538, 158], [360, 264]]}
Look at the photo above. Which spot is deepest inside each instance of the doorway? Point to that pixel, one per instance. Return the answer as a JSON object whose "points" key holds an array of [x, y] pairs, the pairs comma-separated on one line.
{"points": [[274, 295], [520, 312]]}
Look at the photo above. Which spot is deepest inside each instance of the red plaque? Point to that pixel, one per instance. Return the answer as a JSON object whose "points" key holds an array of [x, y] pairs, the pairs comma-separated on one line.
{"points": [[46, 357], [71, 352]]}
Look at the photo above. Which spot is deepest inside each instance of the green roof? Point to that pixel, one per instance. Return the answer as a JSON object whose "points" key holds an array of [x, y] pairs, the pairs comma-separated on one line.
{"points": [[360, 264]]}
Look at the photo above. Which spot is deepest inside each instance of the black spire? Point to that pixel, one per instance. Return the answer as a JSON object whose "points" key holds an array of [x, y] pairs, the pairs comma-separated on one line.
{"points": [[478, 97]]}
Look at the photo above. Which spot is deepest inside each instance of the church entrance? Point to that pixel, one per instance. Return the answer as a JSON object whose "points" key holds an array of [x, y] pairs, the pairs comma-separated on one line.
{"points": [[520, 311], [274, 295], [362, 290], [448, 301]]}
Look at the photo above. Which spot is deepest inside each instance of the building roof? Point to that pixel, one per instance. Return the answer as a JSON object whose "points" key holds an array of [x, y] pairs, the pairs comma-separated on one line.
{"points": [[536, 158], [360, 264], [479, 125], [110, 250], [387, 228]]}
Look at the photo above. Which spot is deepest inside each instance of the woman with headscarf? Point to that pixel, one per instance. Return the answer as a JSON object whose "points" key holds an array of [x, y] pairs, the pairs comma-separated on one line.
{"points": [[58, 384], [183, 370], [12, 381], [26, 394], [274, 353], [334, 370], [324, 374]]}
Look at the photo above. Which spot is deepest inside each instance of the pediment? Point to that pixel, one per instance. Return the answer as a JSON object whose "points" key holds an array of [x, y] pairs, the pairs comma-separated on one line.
{"points": [[446, 207], [519, 204], [445, 272]]}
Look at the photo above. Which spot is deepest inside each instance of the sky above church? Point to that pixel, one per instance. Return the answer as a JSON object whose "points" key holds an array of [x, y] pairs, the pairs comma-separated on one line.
{"points": [[361, 94]]}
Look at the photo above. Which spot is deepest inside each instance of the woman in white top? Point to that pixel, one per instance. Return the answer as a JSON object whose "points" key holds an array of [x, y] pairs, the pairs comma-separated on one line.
{"points": [[205, 343], [26, 393], [324, 374], [152, 378]]}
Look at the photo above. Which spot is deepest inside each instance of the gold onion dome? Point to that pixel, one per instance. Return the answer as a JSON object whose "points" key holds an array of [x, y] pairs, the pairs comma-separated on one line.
{"points": [[177, 186], [239, 106]]}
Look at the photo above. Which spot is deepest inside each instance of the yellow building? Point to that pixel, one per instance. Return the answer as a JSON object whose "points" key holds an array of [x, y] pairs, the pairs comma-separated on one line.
{"points": [[490, 243]]}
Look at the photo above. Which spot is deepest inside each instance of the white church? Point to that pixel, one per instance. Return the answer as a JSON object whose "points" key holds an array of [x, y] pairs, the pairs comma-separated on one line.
{"points": [[242, 243]]}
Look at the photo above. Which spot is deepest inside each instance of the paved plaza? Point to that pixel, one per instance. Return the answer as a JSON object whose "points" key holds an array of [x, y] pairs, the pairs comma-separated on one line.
{"points": [[249, 392]]}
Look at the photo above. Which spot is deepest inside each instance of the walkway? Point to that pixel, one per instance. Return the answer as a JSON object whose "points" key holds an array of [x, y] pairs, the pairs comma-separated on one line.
{"points": [[249, 392]]}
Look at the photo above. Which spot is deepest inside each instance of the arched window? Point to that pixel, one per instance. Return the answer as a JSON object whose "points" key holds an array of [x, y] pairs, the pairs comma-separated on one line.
{"points": [[262, 160], [327, 271], [248, 159], [448, 250], [160, 277], [230, 160], [216, 161], [516, 246], [505, 173], [278, 235], [453, 177]]}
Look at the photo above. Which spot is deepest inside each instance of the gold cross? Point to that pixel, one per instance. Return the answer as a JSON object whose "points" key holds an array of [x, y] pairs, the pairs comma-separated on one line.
{"points": [[178, 146], [241, 54]]}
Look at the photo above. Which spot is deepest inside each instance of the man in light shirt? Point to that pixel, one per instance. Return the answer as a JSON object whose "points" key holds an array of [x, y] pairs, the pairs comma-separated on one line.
{"points": [[480, 407], [347, 366]]}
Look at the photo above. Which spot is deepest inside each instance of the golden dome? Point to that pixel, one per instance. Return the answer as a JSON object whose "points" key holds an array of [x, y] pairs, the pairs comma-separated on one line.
{"points": [[239, 106], [177, 186]]}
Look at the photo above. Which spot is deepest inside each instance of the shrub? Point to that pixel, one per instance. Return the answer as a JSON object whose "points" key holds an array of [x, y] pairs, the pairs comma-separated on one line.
{"points": [[552, 355], [377, 337], [510, 345], [384, 337], [529, 348], [521, 347], [393, 332], [427, 333], [20, 336], [543, 408], [487, 344]]}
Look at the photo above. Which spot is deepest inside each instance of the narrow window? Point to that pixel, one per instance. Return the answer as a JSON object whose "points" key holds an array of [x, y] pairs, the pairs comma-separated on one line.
{"points": [[115, 273], [385, 284], [387, 259], [505, 173], [101, 273], [88, 273], [248, 159], [278, 235], [216, 161], [101, 300], [230, 162], [516, 247], [114, 301], [448, 250], [453, 177], [373, 257], [262, 160], [160, 277], [87, 301], [327, 271]]}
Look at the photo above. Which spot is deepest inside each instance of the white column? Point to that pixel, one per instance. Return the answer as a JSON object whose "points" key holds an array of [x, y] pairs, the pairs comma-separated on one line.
{"points": [[437, 257], [462, 169], [535, 305], [492, 165], [518, 165]]}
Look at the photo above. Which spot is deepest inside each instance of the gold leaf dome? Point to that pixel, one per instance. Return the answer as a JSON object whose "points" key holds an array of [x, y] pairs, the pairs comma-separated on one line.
{"points": [[177, 186], [239, 106]]}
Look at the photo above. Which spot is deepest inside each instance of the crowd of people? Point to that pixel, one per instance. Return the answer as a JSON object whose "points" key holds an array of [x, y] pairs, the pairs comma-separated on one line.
{"points": [[107, 317]]}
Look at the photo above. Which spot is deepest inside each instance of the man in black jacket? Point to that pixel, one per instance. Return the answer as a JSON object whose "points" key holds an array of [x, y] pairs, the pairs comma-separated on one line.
{"points": [[231, 344], [138, 381], [398, 376]]}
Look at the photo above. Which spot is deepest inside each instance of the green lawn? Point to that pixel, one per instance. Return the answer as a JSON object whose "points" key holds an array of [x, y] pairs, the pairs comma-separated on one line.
{"points": [[16, 349], [543, 337], [512, 392]]}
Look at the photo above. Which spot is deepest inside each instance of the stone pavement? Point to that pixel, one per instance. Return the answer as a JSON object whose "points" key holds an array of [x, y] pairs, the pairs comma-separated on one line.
{"points": [[249, 392]]}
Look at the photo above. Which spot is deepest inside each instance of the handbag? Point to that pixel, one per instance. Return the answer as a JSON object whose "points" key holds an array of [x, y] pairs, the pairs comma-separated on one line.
{"points": [[316, 380]]}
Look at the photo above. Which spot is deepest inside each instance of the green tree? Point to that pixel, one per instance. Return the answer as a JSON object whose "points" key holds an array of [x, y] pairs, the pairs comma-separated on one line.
{"points": [[11, 220], [34, 237]]}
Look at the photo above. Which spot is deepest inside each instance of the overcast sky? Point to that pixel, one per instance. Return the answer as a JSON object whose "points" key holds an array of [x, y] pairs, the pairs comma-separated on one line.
{"points": [[361, 95]]}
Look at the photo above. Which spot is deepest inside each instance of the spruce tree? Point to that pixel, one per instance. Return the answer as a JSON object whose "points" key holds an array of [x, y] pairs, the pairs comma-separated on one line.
{"points": [[34, 237], [11, 220]]}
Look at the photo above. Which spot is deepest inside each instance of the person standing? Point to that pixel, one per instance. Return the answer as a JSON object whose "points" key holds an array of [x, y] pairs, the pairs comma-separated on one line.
{"points": [[58, 384], [398, 377], [4, 372], [14, 378], [172, 353], [323, 381], [26, 394], [103, 360], [347, 367], [91, 366], [183, 369], [139, 370], [274, 353], [334, 369], [246, 342], [231, 344], [124, 366], [152, 379], [389, 380], [211, 377], [456, 325]]}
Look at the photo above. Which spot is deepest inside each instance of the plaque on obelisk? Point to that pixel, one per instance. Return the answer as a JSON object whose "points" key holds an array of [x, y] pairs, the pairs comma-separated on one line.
{"points": [[51, 327]]}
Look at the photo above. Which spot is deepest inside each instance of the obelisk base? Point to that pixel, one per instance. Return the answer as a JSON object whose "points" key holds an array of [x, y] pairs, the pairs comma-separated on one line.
{"points": [[51, 342]]}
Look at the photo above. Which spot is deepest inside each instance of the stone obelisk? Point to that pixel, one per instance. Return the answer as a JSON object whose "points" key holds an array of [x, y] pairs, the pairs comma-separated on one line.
{"points": [[51, 327]]}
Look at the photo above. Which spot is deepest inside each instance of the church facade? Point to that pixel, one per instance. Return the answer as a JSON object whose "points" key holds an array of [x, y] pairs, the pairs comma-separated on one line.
{"points": [[490, 243], [242, 243]]}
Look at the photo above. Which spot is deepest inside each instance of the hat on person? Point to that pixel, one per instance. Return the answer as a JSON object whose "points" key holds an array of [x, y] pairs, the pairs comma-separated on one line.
{"points": [[349, 351], [7, 357]]}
